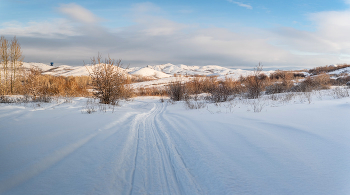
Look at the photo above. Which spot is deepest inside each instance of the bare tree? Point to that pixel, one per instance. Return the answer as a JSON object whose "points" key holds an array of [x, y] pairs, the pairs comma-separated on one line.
{"points": [[107, 79], [16, 61], [4, 56]]}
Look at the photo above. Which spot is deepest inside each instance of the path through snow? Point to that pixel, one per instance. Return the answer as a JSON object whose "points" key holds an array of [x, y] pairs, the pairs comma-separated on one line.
{"points": [[150, 147]]}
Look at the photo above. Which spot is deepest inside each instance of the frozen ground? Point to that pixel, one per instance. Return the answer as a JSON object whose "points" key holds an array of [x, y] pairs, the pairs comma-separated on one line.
{"points": [[299, 146]]}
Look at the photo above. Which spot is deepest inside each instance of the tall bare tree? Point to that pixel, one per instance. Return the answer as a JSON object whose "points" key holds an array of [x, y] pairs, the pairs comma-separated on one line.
{"points": [[4, 56], [16, 61]]}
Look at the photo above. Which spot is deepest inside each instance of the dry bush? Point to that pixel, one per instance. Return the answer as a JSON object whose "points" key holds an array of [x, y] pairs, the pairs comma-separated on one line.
{"points": [[195, 85], [194, 104], [326, 69], [219, 91], [209, 83], [202, 84], [108, 80], [319, 82], [257, 104], [323, 81], [340, 92], [177, 91], [151, 91], [138, 79], [284, 83], [341, 81], [256, 83], [42, 87], [285, 75], [225, 90]]}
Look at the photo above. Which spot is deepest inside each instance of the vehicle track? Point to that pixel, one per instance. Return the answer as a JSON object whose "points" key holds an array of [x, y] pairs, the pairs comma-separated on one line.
{"points": [[158, 166]]}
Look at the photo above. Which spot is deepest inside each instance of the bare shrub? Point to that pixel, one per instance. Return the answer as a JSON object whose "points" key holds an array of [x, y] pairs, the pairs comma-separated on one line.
{"points": [[308, 96], [7, 100], [221, 93], [138, 78], [257, 104], [322, 81], [255, 83], [282, 82], [282, 75], [287, 97], [151, 91], [326, 69], [32, 83], [177, 91], [90, 107], [341, 81], [340, 92], [192, 104], [108, 80], [319, 82]]}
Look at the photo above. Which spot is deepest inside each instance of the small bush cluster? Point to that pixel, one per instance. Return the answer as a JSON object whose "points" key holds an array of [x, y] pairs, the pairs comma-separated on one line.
{"points": [[251, 86], [319, 82], [177, 91]]}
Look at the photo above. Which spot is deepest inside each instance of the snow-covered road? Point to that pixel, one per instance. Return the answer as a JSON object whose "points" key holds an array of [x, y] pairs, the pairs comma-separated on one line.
{"points": [[152, 147]]}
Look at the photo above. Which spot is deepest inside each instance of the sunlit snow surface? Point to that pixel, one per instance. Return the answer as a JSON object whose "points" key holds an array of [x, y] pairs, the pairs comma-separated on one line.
{"points": [[151, 147]]}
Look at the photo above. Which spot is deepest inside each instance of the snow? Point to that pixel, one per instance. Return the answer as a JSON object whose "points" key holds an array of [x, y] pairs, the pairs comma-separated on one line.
{"points": [[146, 146], [340, 71], [41, 66], [147, 72]]}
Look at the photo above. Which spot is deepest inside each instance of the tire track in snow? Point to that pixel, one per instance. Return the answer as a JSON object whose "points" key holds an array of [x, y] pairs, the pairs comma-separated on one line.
{"points": [[158, 166], [185, 178], [59, 154]]}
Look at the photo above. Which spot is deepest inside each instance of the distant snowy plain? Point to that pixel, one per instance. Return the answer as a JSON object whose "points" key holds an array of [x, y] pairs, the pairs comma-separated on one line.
{"points": [[146, 146]]}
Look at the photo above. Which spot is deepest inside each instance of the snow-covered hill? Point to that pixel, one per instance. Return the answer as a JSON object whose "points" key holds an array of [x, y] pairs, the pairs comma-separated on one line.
{"points": [[156, 71]]}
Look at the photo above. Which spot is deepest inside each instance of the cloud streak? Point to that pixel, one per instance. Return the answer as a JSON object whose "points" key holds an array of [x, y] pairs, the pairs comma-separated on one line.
{"points": [[78, 13], [241, 4]]}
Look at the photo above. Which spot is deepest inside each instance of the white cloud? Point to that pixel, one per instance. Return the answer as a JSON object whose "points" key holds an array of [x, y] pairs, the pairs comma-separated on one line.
{"points": [[330, 37], [56, 28], [78, 13], [147, 7], [241, 4], [154, 39]]}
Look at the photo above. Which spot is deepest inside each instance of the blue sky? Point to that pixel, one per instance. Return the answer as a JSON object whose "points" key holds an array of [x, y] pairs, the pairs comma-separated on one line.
{"points": [[223, 32]]}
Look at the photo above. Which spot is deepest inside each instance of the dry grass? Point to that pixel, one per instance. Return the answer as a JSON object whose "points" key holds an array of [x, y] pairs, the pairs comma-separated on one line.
{"points": [[37, 85], [152, 91], [138, 79], [326, 69]]}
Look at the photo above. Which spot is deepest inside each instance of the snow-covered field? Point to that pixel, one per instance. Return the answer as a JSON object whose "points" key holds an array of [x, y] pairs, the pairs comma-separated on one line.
{"points": [[296, 145]]}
